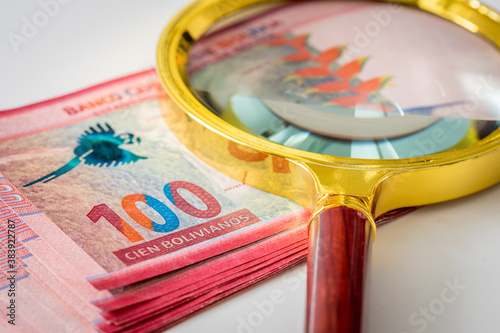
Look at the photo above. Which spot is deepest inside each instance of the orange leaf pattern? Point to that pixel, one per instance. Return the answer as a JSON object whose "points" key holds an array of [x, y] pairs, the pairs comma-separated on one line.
{"points": [[311, 72], [330, 87], [351, 69], [348, 101], [331, 55], [371, 86], [302, 55], [342, 81]]}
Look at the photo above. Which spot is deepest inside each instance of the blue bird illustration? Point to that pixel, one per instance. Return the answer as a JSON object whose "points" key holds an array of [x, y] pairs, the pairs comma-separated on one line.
{"points": [[98, 147]]}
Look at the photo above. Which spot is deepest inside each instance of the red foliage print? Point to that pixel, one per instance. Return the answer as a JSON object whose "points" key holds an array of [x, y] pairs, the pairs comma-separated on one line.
{"points": [[335, 78]]}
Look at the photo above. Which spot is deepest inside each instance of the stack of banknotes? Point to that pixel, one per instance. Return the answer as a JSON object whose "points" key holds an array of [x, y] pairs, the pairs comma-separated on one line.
{"points": [[109, 223]]}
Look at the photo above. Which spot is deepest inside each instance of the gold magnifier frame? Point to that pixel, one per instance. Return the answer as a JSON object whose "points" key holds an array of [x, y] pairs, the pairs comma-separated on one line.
{"points": [[324, 183]]}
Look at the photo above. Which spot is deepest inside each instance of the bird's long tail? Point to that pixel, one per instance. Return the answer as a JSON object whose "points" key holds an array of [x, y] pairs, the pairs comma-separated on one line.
{"points": [[59, 172]]}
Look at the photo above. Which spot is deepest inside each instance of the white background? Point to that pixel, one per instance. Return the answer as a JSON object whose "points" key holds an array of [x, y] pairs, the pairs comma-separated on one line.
{"points": [[89, 42]]}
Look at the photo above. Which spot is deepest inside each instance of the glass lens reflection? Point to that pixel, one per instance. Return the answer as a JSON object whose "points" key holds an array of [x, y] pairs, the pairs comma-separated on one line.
{"points": [[350, 79]]}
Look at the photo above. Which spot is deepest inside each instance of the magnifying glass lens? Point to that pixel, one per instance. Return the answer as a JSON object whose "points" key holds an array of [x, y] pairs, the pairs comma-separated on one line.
{"points": [[369, 83], [354, 79]]}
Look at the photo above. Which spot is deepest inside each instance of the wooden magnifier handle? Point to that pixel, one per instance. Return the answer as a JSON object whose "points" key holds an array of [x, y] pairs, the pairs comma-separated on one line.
{"points": [[339, 244]]}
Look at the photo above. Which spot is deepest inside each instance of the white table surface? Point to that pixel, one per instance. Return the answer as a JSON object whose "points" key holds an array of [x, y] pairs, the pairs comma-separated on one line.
{"points": [[88, 42]]}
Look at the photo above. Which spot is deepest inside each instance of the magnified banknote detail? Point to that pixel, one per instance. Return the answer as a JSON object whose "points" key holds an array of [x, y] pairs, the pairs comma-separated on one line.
{"points": [[307, 76]]}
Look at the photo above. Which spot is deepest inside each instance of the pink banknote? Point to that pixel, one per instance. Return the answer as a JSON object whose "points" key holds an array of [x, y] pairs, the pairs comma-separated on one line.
{"points": [[116, 190]]}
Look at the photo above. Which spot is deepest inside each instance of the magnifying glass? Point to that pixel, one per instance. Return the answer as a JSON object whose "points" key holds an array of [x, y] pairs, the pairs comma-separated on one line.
{"points": [[352, 109]]}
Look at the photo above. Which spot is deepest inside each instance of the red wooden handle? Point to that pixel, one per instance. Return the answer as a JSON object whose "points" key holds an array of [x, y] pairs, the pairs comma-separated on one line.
{"points": [[339, 243]]}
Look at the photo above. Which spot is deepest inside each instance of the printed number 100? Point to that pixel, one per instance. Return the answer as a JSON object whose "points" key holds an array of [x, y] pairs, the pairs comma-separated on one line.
{"points": [[171, 191]]}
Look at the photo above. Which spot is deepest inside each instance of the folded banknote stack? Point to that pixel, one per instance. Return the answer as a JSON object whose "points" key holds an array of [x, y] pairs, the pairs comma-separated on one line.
{"points": [[109, 223]]}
